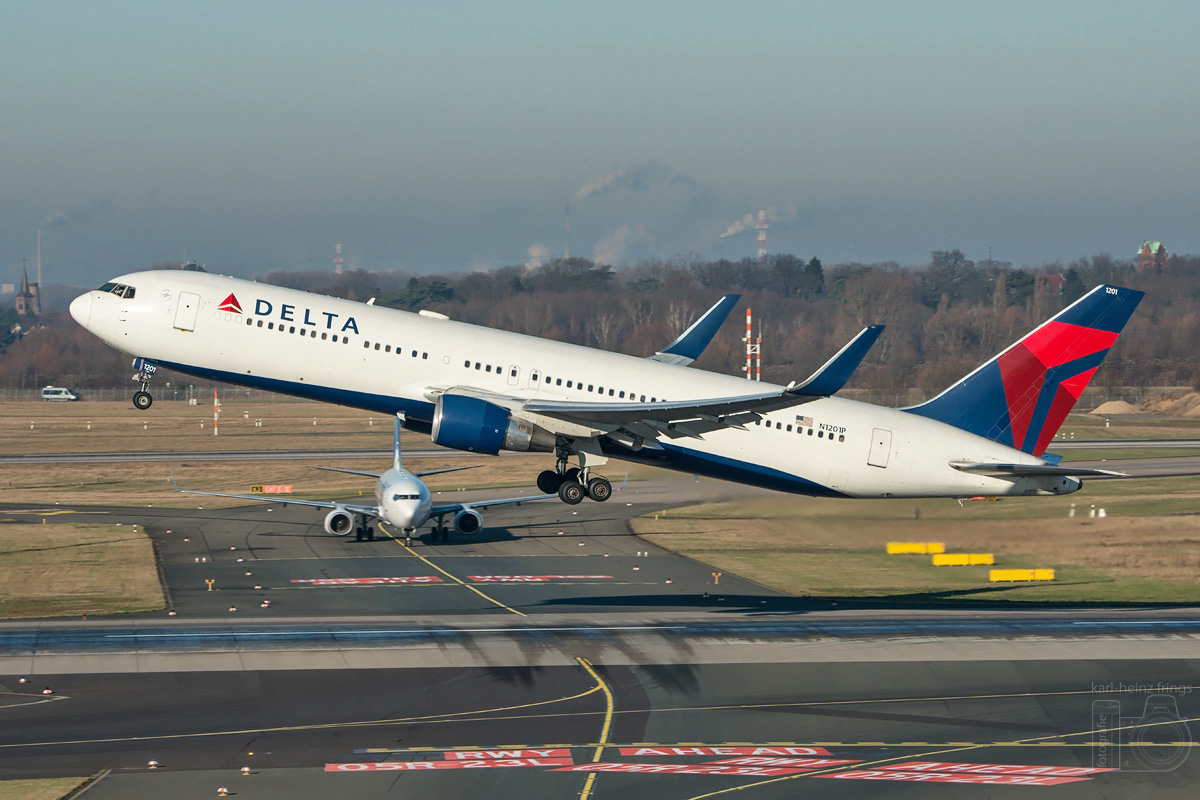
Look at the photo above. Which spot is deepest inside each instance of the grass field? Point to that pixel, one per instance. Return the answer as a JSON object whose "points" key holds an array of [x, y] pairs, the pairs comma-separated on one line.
{"points": [[174, 427], [72, 570], [1147, 548], [42, 789]]}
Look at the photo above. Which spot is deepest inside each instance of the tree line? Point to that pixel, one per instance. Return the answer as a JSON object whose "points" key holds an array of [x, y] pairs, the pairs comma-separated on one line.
{"points": [[944, 318]]}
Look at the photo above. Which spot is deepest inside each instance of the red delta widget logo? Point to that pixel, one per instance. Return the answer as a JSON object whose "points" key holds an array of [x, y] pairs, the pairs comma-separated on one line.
{"points": [[289, 313], [230, 304]]}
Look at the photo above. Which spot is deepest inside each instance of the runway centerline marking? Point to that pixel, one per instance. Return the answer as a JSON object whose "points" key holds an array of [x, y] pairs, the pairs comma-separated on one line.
{"points": [[449, 575]]}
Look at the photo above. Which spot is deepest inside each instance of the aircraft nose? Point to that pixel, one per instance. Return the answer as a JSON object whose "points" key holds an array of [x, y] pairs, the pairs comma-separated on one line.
{"points": [[81, 309]]}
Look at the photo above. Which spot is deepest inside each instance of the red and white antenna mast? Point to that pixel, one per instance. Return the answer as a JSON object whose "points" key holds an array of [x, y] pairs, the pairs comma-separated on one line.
{"points": [[337, 259], [762, 237], [753, 350]]}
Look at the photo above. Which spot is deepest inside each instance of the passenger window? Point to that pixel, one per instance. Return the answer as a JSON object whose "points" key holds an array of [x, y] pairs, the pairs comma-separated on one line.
{"points": [[466, 365], [489, 368], [260, 323], [810, 431], [547, 379], [425, 356], [589, 387], [558, 382], [513, 373], [653, 399], [387, 349], [313, 333], [778, 425], [477, 365], [758, 422], [270, 326], [366, 344], [841, 437], [610, 392], [323, 335], [568, 384], [292, 329], [643, 398], [820, 434], [789, 428], [377, 345], [622, 395], [414, 353], [249, 321]]}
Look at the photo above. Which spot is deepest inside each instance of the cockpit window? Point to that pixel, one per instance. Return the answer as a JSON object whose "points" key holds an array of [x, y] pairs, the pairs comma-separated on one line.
{"points": [[119, 289], [406, 497]]}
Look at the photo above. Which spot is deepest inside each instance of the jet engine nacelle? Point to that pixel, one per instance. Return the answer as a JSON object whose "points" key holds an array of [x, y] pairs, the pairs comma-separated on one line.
{"points": [[468, 522], [468, 423], [339, 522]]}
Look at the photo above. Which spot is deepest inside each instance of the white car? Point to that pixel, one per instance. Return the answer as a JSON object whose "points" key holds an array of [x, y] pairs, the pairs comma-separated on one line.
{"points": [[59, 393]]}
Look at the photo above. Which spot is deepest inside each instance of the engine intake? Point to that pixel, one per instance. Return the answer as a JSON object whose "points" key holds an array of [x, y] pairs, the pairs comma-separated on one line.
{"points": [[339, 522], [468, 522], [468, 423]]}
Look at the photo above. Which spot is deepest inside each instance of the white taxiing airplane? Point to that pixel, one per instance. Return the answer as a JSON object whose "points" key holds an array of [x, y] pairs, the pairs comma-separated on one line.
{"points": [[401, 499]]}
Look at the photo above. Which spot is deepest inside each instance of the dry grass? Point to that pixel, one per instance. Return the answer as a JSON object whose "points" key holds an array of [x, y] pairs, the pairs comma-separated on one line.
{"points": [[71, 570], [120, 428], [831, 548], [41, 789]]}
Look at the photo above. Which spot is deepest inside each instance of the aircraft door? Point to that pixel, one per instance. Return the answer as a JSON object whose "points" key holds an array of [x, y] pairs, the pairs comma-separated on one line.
{"points": [[514, 374], [186, 310], [881, 446]]}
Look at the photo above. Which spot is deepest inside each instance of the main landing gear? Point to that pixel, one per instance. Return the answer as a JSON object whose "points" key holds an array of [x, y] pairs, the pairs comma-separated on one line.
{"points": [[572, 485], [145, 372], [364, 532]]}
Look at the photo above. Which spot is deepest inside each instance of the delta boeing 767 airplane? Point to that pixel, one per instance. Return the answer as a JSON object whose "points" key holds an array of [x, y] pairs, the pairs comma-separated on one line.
{"points": [[484, 390]]}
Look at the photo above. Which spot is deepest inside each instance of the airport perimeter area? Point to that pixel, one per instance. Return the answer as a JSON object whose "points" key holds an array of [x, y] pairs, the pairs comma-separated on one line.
{"points": [[560, 655]]}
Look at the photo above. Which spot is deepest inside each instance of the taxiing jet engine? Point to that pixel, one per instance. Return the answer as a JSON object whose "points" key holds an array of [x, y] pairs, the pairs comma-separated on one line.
{"points": [[339, 522], [468, 423], [468, 522]]}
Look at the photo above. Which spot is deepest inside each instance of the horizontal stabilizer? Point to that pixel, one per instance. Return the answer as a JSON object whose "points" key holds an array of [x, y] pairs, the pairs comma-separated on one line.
{"points": [[447, 469], [348, 471], [692, 342], [834, 374], [1031, 470]]}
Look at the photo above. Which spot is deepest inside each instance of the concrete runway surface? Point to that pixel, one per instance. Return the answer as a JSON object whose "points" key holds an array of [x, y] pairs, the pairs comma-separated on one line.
{"points": [[565, 665]]}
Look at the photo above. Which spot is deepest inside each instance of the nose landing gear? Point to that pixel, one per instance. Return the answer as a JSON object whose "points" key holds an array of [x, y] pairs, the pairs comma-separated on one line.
{"points": [[145, 372]]}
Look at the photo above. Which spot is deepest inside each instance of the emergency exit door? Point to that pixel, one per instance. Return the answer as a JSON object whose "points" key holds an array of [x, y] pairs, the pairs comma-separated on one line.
{"points": [[881, 445], [185, 312]]}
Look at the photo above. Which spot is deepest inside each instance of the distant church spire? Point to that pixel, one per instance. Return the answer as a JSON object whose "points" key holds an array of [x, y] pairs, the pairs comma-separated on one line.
{"points": [[29, 299]]}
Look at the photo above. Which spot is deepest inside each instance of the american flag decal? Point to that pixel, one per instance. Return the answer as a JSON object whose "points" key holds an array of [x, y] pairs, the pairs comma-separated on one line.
{"points": [[804, 422]]}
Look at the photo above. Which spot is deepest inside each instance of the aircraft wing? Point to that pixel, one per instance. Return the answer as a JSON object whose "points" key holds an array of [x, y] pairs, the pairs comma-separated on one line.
{"points": [[694, 417], [1031, 470], [454, 507], [692, 342], [370, 511], [447, 469]]}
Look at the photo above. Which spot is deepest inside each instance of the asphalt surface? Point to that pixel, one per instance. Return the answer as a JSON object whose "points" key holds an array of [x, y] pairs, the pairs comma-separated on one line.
{"points": [[557, 631]]}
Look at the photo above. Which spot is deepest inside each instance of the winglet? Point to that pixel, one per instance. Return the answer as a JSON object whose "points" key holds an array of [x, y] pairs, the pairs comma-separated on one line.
{"points": [[692, 342], [834, 374]]}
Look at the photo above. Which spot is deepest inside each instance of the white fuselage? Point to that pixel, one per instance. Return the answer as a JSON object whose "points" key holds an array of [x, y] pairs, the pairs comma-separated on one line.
{"points": [[403, 498], [388, 361]]}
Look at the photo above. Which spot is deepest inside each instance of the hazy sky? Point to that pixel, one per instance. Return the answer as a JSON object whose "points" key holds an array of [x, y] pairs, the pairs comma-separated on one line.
{"points": [[442, 136]]}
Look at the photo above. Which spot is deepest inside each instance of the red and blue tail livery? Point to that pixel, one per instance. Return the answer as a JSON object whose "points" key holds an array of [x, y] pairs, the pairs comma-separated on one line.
{"points": [[1022, 396]]}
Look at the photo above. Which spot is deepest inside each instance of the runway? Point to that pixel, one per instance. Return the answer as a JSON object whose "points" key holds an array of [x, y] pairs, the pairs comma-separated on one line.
{"points": [[564, 657]]}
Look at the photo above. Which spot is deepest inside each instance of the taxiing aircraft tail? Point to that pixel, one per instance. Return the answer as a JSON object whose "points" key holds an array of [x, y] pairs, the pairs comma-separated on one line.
{"points": [[1021, 397]]}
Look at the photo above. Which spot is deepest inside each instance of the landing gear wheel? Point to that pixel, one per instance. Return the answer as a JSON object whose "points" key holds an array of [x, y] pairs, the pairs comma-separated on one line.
{"points": [[359, 533], [571, 492], [370, 532], [599, 489], [548, 481], [571, 475], [408, 540], [142, 400]]}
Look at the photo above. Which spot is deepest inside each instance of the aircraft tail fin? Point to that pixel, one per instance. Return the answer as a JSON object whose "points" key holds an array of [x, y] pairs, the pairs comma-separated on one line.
{"points": [[396, 442], [1022, 396]]}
